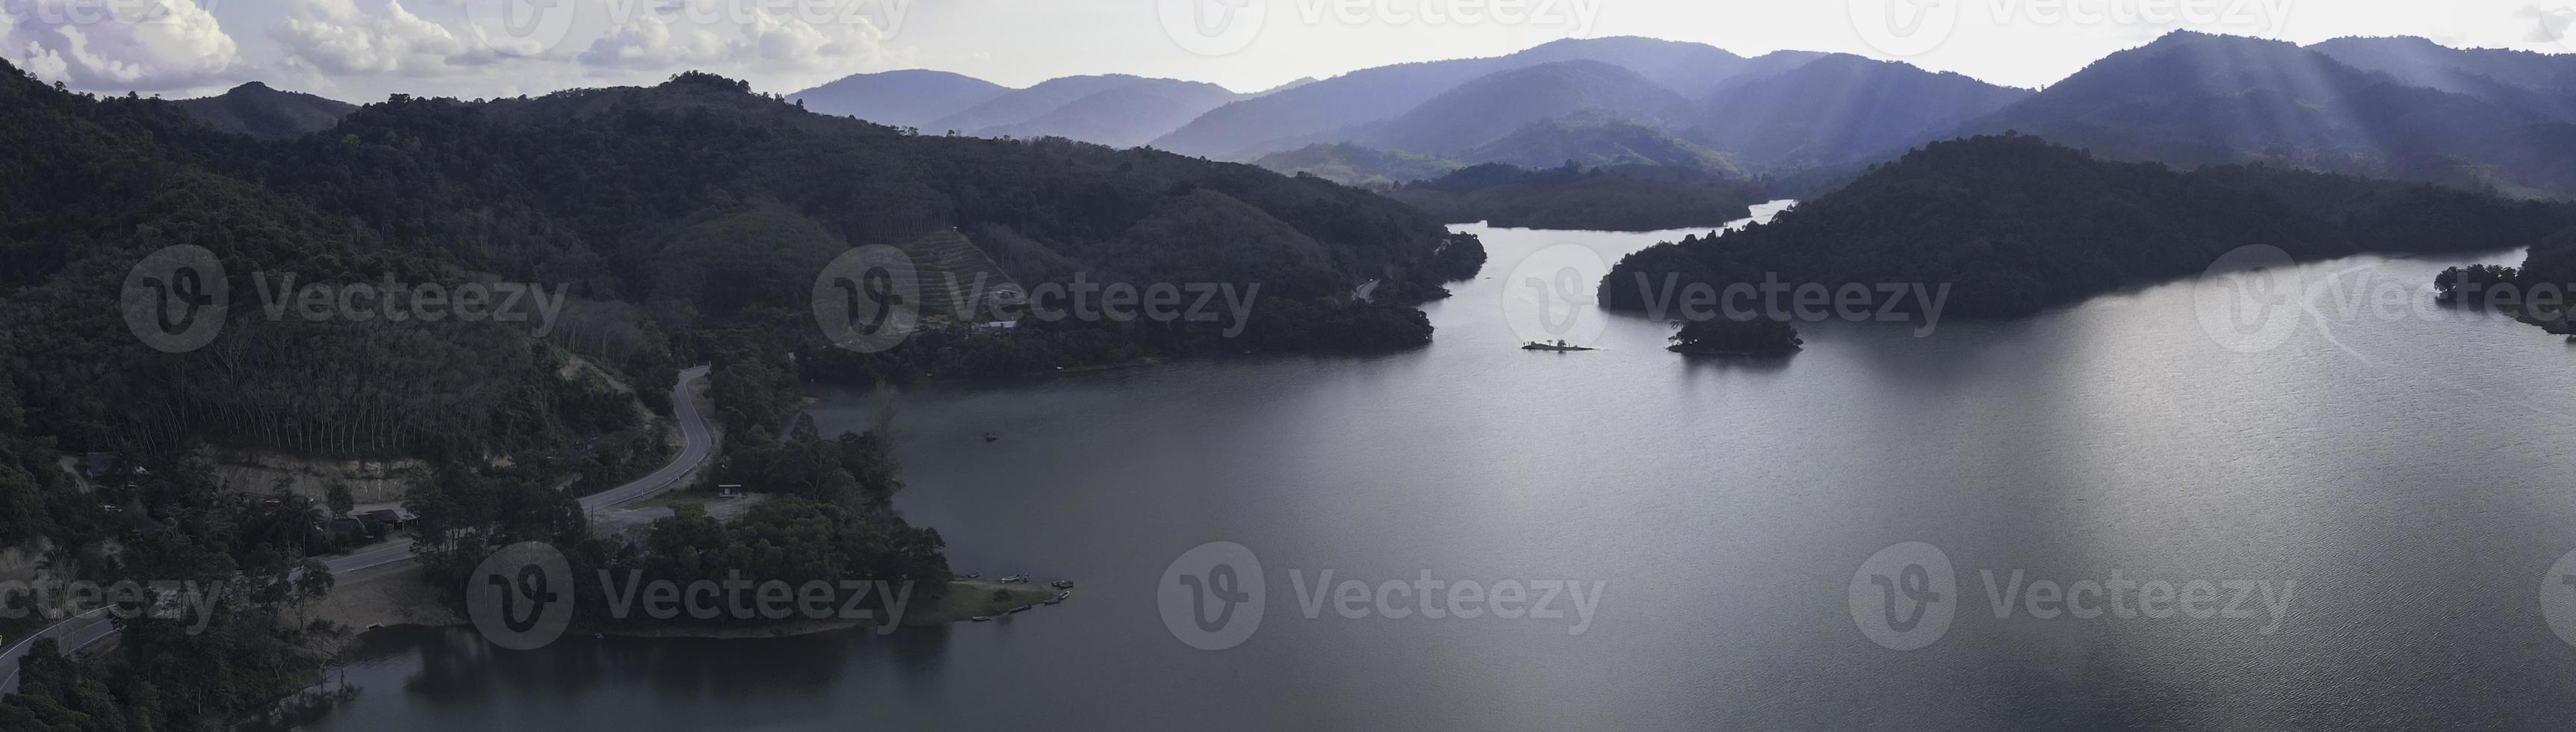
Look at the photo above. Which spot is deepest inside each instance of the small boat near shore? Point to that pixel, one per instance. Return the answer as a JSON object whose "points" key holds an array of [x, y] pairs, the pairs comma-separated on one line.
{"points": [[1557, 347], [982, 618], [1061, 584], [1014, 579]]}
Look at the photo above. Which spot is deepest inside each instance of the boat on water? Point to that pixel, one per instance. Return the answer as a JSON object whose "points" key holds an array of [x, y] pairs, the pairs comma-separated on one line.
{"points": [[1015, 579], [981, 618], [1061, 584], [1559, 347], [1051, 601]]}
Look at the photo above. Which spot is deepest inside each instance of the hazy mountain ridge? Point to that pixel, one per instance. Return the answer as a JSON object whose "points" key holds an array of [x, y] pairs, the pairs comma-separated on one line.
{"points": [[2538, 83], [2193, 99], [1312, 113], [1489, 108], [909, 98], [1127, 115], [1839, 108]]}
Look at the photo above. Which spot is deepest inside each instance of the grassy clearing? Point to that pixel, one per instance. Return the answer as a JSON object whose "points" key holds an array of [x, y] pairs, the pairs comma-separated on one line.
{"points": [[964, 599]]}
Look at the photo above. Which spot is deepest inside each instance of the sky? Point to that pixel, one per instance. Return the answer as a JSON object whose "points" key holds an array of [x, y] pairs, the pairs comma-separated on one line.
{"points": [[363, 50]]}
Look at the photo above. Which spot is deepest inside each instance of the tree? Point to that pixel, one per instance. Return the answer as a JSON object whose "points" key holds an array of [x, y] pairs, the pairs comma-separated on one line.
{"points": [[1724, 336], [339, 499]]}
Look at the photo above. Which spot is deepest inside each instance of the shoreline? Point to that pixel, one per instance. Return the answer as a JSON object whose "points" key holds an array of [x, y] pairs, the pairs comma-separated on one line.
{"points": [[400, 599]]}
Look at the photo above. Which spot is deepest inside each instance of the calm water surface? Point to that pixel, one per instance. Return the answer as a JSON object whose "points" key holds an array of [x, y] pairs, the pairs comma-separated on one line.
{"points": [[2411, 475]]}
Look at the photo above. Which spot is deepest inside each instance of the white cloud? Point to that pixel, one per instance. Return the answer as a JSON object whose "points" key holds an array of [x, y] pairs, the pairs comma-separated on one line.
{"points": [[336, 38], [822, 35], [148, 45]]}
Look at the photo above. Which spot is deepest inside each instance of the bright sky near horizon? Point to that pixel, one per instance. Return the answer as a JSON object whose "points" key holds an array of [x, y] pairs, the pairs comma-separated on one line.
{"points": [[362, 50]]}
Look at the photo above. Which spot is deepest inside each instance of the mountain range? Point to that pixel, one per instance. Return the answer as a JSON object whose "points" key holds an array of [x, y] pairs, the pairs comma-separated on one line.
{"points": [[1117, 110], [2192, 99], [2402, 108]]}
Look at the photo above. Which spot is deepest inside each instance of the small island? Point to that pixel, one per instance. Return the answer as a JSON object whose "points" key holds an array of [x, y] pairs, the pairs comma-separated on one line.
{"points": [[1724, 337], [1558, 347]]}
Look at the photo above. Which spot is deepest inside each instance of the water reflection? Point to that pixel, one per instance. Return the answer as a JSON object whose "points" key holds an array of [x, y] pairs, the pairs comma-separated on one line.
{"points": [[2415, 496]]}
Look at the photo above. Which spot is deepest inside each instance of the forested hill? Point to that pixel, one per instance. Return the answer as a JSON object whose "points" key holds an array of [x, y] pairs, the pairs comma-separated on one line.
{"points": [[1606, 198], [89, 189], [2016, 225], [667, 211]]}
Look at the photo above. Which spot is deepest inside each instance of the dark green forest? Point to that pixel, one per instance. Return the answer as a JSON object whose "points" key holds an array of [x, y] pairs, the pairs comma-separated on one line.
{"points": [[1572, 196], [685, 223], [2018, 225]]}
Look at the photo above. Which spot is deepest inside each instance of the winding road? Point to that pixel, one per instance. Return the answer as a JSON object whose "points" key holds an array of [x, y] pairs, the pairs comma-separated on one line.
{"points": [[81, 631]]}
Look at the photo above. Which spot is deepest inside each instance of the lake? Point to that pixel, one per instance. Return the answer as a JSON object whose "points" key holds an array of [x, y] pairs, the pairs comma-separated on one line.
{"points": [[2394, 481]]}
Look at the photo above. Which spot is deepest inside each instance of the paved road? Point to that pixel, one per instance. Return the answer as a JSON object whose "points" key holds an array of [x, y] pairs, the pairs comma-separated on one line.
{"points": [[81, 631]]}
